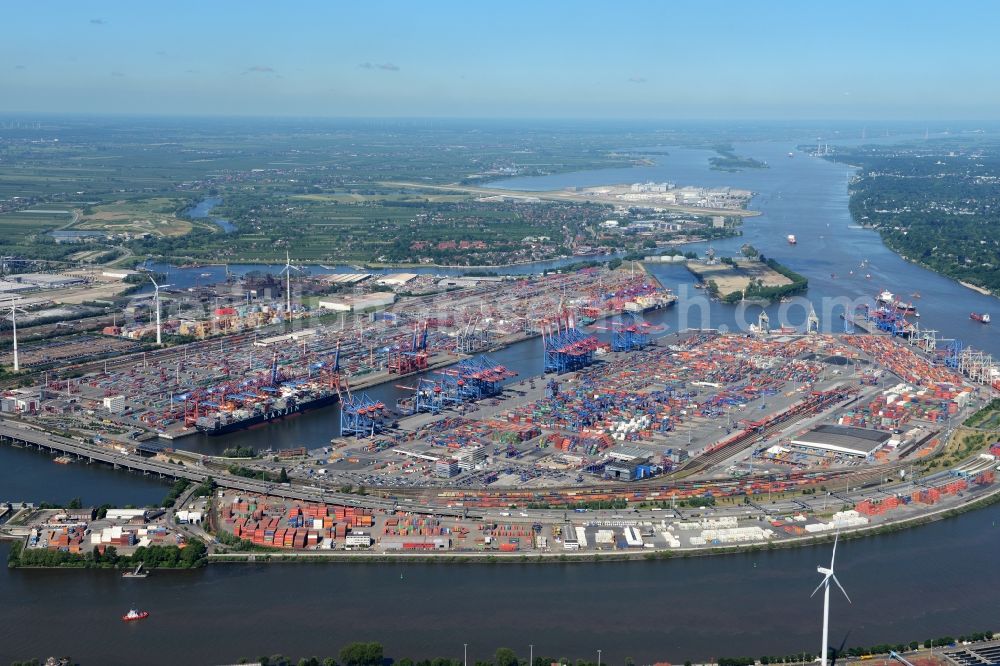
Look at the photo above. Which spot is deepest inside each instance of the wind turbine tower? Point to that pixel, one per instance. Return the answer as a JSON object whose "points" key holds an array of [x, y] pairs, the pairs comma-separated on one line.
{"points": [[287, 270], [13, 320], [156, 297], [828, 575]]}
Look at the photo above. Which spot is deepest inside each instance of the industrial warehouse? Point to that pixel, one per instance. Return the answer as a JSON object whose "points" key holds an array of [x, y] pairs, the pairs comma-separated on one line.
{"points": [[844, 439]]}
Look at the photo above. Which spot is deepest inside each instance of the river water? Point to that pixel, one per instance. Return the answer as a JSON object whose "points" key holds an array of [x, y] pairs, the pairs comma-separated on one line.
{"points": [[805, 196], [926, 582], [932, 581], [203, 209]]}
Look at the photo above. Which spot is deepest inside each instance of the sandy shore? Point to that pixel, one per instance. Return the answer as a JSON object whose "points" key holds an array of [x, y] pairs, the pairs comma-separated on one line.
{"points": [[984, 292]]}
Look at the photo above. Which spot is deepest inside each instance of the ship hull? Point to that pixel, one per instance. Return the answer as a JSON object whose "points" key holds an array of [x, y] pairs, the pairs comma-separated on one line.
{"points": [[908, 308], [267, 417]]}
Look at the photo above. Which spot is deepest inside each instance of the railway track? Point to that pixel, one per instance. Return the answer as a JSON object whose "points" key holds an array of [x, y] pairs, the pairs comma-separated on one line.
{"points": [[796, 414]]}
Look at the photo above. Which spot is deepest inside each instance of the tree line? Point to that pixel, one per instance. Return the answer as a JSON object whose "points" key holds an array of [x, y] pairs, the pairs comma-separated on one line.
{"points": [[192, 556]]}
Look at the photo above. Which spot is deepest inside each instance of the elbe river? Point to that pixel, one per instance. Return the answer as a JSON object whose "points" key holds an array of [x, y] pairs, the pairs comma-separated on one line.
{"points": [[931, 581]]}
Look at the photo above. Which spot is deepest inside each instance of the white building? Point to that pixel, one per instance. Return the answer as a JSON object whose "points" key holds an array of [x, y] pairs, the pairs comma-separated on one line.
{"points": [[115, 404], [358, 540], [118, 273], [415, 542], [470, 457], [649, 188], [21, 401], [375, 300], [125, 514], [396, 279]]}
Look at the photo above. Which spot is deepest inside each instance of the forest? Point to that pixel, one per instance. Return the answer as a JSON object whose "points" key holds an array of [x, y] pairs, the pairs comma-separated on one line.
{"points": [[936, 204]]}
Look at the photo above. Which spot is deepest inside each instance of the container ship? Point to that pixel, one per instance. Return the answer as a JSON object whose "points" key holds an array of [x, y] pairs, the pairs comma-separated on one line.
{"points": [[889, 299], [653, 301], [242, 410], [982, 318]]}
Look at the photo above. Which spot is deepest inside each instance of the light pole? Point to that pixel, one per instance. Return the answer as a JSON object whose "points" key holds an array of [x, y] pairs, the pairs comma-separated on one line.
{"points": [[531, 655], [598, 658], [465, 654]]}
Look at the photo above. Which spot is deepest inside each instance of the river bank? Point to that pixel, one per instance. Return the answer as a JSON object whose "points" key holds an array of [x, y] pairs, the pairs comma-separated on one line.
{"points": [[949, 600], [975, 497], [981, 290], [973, 503]]}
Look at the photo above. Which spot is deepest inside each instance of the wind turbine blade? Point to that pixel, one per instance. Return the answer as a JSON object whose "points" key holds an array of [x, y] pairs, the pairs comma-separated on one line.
{"points": [[836, 537], [841, 588], [821, 583]]}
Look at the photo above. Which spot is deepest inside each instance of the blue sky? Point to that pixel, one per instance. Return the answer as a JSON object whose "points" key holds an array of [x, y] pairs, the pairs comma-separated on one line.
{"points": [[739, 59]]}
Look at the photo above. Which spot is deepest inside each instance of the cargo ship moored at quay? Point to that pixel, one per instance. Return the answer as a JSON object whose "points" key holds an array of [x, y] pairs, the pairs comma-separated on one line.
{"points": [[292, 400], [889, 299]]}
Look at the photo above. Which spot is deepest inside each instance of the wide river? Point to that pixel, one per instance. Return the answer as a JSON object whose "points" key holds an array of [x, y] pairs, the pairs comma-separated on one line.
{"points": [[930, 581]]}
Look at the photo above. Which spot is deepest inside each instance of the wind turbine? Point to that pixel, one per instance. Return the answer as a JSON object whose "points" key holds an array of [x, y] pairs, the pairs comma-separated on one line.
{"points": [[156, 297], [287, 270], [13, 320], [828, 575]]}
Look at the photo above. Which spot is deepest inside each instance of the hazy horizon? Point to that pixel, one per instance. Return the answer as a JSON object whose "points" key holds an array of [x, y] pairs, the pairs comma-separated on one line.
{"points": [[644, 61]]}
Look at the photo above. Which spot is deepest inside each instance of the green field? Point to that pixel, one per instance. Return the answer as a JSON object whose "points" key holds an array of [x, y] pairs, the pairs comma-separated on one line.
{"points": [[20, 222]]}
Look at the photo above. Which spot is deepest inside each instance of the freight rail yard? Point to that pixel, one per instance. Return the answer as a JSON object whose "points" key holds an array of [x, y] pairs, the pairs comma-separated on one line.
{"points": [[631, 441]]}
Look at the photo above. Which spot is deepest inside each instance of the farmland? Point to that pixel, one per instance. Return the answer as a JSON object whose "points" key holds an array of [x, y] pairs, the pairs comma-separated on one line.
{"points": [[325, 190]]}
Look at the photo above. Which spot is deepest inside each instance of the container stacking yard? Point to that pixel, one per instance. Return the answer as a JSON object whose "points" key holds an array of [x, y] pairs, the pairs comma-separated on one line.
{"points": [[244, 377]]}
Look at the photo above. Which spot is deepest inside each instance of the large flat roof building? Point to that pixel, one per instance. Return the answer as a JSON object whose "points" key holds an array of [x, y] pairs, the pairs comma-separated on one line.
{"points": [[860, 442], [396, 279]]}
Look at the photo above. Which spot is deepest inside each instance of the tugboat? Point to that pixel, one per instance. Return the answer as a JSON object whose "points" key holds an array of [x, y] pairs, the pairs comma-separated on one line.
{"points": [[982, 318], [134, 615]]}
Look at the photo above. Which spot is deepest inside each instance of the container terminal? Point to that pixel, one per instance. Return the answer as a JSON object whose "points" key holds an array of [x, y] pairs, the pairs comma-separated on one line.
{"points": [[240, 380], [634, 442]]}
